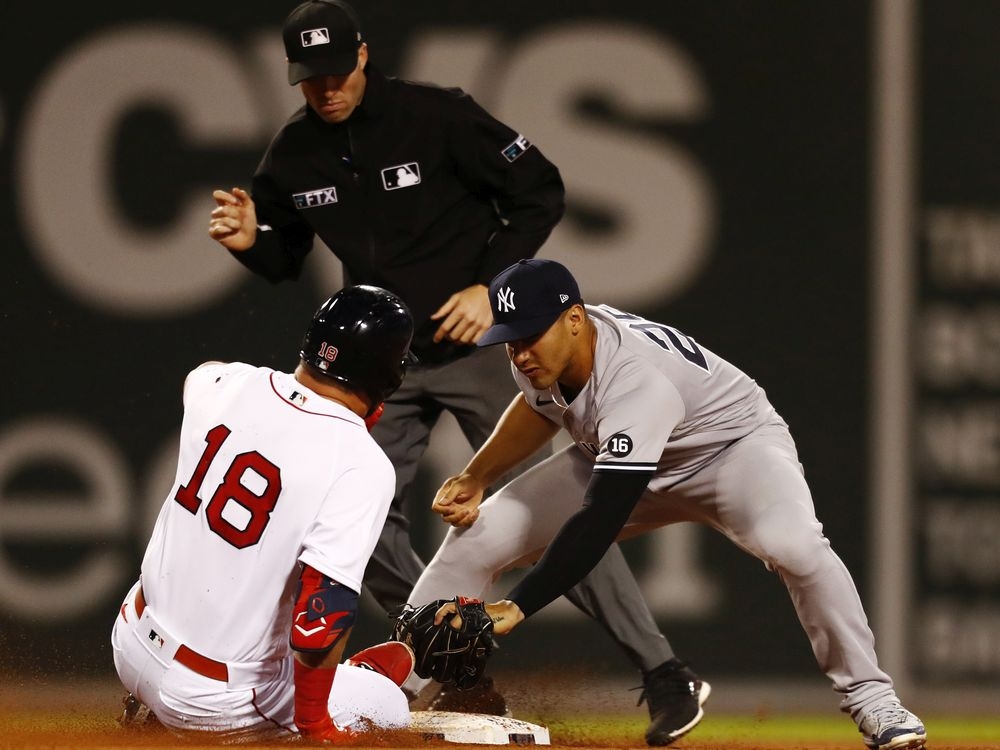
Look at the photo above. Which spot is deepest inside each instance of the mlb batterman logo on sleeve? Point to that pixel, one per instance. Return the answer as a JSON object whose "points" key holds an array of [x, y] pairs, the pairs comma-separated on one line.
{"points": [[527, 298], [321, 38]]}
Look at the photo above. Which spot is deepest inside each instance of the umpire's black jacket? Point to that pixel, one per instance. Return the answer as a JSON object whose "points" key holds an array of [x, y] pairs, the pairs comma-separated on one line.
{"points": [[421, 191]]}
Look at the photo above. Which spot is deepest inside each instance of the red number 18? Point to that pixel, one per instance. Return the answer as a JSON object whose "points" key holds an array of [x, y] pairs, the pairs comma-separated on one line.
{"points": [[259, 506]]}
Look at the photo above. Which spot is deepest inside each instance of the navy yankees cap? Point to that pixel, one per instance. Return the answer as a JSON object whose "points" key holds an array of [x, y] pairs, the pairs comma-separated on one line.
{"points": [[321, 38], [527, 298]]}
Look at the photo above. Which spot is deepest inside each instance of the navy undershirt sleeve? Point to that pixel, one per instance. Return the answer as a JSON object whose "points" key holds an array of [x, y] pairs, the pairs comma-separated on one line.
{"points": [[584, 538]]}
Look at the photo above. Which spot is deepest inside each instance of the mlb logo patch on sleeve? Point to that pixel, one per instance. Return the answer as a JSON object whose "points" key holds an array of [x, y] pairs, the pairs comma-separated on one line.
{"points": [[401, 176], [518, 147]]}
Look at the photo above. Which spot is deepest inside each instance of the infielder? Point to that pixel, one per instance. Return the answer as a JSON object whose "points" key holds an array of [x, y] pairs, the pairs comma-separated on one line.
{"points": [[250, 582], [664, 431]]}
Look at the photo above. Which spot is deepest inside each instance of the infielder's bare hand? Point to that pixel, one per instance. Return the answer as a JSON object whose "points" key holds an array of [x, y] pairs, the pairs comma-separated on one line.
{"points": [[457, 502], [234, 220], [466, 315], [505, 614]]}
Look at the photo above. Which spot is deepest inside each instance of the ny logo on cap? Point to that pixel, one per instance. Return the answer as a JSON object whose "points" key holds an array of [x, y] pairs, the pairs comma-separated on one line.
{"points": [[505, 300], [314, 37]]}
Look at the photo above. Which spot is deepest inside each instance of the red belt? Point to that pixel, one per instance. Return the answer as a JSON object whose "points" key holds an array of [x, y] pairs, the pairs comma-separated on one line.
{"points": [[191, 659]]}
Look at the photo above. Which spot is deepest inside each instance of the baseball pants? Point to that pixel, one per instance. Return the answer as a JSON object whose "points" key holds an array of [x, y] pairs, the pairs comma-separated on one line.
{"points": [[754, 492], [476, 390], [256, 702]]}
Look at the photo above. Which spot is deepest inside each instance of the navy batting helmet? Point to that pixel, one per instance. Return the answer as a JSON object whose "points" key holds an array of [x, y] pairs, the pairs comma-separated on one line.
{"points": [[361, 338]]}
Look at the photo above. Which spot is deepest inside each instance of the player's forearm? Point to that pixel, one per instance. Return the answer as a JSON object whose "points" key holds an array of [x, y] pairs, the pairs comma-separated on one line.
{"points": [[322, 660], [519, 434], [582, 541], [505, 615], [314, 675]]}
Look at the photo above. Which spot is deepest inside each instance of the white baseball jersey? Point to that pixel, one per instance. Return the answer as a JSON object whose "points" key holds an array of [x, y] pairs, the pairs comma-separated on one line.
{"points": [[656, 400], [269, 473]]}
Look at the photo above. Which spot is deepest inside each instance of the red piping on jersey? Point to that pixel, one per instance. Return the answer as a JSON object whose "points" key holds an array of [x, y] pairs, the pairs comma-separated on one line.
{"points": [[314, 413], [265, 717]]}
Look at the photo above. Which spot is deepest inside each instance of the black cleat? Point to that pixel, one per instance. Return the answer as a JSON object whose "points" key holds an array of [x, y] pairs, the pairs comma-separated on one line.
{"points": [[674, 695], [136, 714]]}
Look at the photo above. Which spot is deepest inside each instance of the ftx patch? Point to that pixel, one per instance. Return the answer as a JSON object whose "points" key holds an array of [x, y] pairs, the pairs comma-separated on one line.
{"points": [[518, 147], [312, 199]]}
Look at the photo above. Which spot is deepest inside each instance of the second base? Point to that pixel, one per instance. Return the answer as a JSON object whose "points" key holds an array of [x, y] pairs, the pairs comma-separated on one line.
{"points": [[477, 729]]}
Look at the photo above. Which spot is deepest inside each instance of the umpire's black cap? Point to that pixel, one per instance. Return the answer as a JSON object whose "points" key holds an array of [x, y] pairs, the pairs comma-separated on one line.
{"points": [[527, 297], [322, 38]]}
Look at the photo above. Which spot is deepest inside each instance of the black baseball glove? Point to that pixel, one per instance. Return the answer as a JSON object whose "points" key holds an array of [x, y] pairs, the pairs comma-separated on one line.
{"points": [[450, 656]]}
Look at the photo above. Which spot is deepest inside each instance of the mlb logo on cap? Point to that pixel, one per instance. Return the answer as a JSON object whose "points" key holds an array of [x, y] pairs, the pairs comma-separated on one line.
{"points": [[527, 298], [321, 38], [312, 37]]}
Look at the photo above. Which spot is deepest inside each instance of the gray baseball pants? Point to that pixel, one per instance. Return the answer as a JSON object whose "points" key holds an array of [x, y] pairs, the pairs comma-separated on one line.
{"points": [[754, 492]]}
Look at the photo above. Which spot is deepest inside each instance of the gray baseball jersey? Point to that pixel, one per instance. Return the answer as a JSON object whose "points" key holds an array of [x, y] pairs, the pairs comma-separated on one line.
{"points": [[702, 402], [657, 400]]}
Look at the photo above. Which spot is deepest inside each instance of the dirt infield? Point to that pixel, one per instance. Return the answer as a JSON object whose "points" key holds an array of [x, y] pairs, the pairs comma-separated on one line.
{"points": [[79, 730], [70, 735], [83, 715]]}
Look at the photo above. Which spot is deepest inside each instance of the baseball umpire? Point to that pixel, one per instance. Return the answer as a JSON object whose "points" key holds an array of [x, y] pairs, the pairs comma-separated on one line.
{"points": [[419, 190], [664, 431], [250, 581]]}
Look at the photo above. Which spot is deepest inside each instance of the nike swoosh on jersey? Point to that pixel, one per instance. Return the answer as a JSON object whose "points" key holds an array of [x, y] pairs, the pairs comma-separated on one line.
{"points": [[540, 402]]}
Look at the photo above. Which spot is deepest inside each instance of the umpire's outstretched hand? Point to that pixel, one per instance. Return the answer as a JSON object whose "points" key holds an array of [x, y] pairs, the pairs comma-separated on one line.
{"points": [[234, 220], [465, 316]]}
